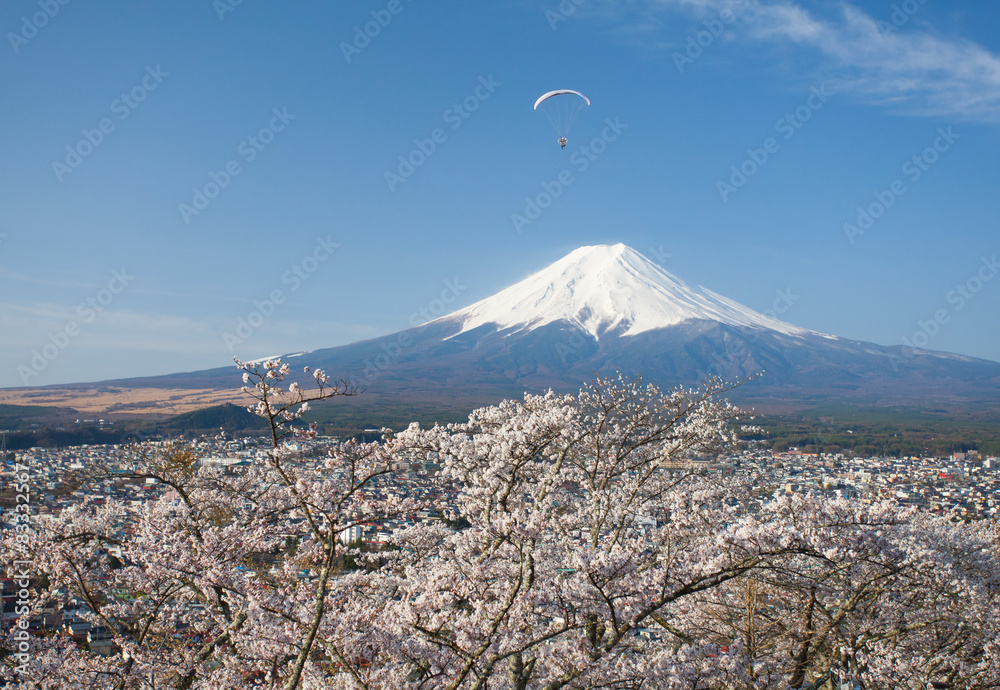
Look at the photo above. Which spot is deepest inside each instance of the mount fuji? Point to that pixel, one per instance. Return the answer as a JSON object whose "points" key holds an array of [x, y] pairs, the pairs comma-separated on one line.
{"points": [[606, 309], [608, 289]]}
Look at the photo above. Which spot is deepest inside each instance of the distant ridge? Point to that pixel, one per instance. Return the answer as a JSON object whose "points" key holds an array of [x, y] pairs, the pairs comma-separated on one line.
{"points": [[226, 416]]}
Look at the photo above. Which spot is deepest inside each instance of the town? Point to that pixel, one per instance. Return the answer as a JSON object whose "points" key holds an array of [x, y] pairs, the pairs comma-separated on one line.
{"points": [[963, 486]]}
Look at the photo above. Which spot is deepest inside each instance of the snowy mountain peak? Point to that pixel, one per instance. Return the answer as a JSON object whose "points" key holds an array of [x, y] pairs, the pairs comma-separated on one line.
{"points": [[609, 287]]}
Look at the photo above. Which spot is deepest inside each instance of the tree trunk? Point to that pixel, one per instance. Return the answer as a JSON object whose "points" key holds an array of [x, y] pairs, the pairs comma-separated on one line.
{"points": [[304, 649]]}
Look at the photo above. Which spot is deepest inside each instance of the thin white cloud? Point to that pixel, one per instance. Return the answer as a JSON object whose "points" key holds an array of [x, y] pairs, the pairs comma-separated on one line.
{"points": [[130, 343], [916, 70], [36, 280], [112, 330]]}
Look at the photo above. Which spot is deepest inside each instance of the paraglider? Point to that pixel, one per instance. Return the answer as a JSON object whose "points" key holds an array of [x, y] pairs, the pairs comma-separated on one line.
{"points": [[561, 107]]}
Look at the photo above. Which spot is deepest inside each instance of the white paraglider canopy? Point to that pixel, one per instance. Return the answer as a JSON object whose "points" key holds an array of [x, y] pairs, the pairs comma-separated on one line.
{"points": [[561, 107], [560, 92]]}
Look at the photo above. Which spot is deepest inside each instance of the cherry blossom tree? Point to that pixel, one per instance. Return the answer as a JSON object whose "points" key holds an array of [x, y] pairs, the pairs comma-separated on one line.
{"points": [[579, 548], [887, 596], [175, 584]]}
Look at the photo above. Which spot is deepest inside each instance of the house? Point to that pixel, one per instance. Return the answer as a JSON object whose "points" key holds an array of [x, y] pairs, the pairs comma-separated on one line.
{"points": [[101, 641]]}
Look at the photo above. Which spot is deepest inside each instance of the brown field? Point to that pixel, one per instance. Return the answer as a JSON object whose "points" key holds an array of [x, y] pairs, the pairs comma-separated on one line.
{"points": [[123, 402]]}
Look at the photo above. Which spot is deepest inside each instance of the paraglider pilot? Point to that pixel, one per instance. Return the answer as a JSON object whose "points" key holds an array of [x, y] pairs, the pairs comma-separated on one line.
{"points": [[562, 142]]}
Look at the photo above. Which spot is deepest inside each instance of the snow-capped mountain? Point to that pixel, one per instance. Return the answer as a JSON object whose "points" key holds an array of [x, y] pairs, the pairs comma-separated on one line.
{"points": [[607, 309], [609, 288]]}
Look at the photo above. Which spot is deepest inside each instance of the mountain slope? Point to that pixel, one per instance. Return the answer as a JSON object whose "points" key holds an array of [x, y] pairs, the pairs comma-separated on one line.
{"points": [[607, 309]]}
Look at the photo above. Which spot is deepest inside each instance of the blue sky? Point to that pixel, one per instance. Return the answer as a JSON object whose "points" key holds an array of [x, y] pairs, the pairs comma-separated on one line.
{"points": [[293, 117]]}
